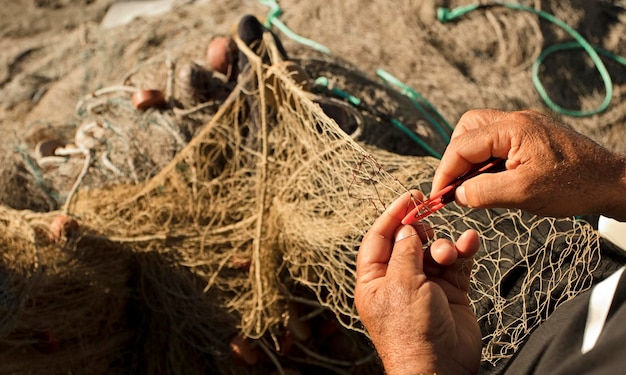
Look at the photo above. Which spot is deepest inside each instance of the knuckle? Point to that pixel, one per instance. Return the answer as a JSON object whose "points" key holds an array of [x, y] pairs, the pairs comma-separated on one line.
{"points": [[473, 117]]}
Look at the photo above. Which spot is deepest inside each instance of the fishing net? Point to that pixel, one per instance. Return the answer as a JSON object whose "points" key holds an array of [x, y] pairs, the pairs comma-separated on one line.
{"points": [[221, 235]]}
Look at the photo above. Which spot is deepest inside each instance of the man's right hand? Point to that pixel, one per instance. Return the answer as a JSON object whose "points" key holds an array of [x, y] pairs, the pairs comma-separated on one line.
{"points": [[550, 169]]}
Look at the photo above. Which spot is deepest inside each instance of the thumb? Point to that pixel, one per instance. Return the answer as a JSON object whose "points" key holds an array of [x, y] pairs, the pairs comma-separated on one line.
{"points": [[489, 190], [407, 256]]}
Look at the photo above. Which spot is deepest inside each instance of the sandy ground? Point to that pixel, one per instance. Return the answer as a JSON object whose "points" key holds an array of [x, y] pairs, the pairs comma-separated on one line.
{"points": [[27, 28], [484, 60], [56, 53]]}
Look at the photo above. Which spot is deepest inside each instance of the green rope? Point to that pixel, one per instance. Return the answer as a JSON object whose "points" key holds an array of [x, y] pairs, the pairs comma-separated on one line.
{"points": [[273, 20], [36, 173], [425, 107], [419, 102], [446, 15], [400, 126], [357, 102], [569, 46]]}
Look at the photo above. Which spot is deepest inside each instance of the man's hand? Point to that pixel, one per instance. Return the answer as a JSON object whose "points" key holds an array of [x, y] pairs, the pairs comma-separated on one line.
{"points": [[414, 302], [551, 169]]}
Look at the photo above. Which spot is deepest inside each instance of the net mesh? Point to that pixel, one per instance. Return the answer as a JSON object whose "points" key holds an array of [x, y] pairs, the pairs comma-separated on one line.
{"points": [[246, 222]]}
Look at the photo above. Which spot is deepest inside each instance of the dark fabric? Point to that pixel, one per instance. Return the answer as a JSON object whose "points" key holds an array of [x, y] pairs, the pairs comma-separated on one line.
{"points": [[610, 259], [555, 347], [540, 268]]}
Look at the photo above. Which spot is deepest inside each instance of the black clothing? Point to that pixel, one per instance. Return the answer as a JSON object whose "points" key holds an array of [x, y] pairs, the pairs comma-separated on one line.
{"points": [[586, 335]]}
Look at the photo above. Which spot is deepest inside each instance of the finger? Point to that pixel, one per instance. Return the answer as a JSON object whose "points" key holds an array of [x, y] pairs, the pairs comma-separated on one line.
{"points": [[462, 154], [407, 255], [475, 119], [469, 131], [467, 244], [424, 230], [451, 166], [376, 247], [445, 258], [478, 192], [455, 277], [443, 252]]}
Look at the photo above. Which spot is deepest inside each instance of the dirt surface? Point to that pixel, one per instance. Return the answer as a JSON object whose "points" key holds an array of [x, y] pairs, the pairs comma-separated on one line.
{"points": [[54, 54], [49, 59], [29, 31]]}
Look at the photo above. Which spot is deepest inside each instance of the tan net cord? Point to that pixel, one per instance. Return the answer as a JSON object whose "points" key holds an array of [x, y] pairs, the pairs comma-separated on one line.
{"points": [[253, 228]]}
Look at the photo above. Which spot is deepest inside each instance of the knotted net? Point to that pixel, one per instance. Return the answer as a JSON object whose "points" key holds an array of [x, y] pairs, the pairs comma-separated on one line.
{"points": [[252, 229]]}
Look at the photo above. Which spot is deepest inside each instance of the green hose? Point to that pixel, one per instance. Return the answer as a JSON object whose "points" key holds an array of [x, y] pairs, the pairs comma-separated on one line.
{"points": [[446, 15], [273, 20], [357, 102]]}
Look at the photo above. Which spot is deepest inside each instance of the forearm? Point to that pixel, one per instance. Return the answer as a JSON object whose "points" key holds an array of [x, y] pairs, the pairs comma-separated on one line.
{"points": [[614, 194], [420, 357]]}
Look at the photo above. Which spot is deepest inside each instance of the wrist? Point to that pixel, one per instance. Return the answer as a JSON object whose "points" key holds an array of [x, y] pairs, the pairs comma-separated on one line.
{"points": [[415, 365]]}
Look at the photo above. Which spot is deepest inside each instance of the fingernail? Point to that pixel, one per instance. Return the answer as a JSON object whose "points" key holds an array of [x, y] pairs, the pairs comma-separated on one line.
{"points": [[405, 232], [460, 196]]}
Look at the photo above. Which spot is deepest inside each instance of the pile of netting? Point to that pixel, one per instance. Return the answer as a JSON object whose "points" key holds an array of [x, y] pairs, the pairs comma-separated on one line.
{"points": [[232, 247]]}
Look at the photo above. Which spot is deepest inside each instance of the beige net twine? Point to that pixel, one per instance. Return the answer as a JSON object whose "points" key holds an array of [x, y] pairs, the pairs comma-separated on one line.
{"points": [[241, 237]]}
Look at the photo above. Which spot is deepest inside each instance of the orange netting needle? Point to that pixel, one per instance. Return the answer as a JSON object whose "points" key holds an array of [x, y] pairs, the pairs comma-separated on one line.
{"points": [[436, 202]]}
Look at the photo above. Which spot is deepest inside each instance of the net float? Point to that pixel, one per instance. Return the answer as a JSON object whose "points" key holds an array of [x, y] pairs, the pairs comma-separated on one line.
{"points": [[244, 350], [240, 262], [144, 99], [221, 54], [47, 342], [63, 226]]}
